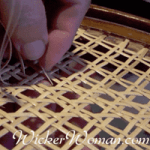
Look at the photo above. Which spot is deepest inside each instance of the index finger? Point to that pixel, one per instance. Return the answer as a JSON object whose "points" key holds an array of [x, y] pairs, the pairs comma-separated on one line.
{"points": [[63, 27]]}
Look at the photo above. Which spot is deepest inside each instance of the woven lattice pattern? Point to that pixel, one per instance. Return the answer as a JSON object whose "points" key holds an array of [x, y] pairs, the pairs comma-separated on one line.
{"points": [[108, 72]]}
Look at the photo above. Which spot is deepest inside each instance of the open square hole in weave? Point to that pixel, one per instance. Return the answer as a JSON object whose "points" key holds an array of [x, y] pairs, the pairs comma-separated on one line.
{"points": [[130, 77], [10, 107], [71, 95], [78, 121], [88, 57], [148, 86], [31, 93], [96, 108], [132, 110], [33, 123], [121, 58], [119, 123], [103, 135], [118, 87], [97, 76], [54, 107], [101, 49], [7, 141], [81, 39], [142, 67], [106, 97], [72, 48], [110, 67], [141, 100]]}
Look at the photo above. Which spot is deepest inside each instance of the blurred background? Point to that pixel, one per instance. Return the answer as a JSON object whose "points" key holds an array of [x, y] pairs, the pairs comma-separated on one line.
{"points": [[136, 7]]}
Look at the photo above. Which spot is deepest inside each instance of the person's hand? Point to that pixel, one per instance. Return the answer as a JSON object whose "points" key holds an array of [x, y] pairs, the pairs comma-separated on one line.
{"points": [[26, 23]]}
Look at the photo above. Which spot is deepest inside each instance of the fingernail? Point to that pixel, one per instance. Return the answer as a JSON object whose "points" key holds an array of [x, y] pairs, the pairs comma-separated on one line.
{"points": [[33, 50]]}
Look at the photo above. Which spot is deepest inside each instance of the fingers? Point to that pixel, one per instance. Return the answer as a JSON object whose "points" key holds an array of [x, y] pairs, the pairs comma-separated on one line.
{"points": [[59, 43], [29, 25], [63, 26]]}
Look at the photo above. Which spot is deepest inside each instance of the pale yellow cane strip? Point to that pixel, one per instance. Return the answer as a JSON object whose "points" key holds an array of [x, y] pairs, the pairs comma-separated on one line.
{"points": [[10, 96], [3, 148], [28, 99], [94, 83]]}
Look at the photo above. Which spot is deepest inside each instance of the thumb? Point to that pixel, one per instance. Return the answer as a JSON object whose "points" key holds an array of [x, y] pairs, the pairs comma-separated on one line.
{"points": [[30, 34]]}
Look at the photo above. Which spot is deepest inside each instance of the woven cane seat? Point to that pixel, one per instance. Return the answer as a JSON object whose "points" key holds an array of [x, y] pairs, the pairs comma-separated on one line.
{"points": [[109, 74]]}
